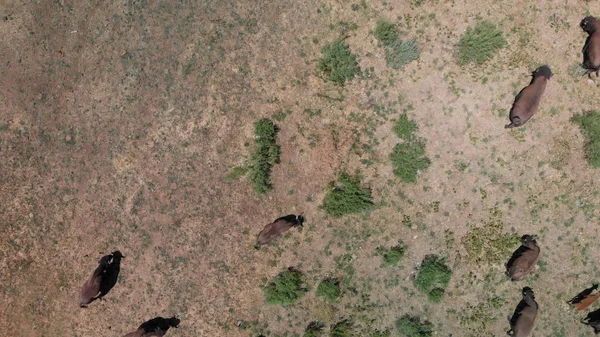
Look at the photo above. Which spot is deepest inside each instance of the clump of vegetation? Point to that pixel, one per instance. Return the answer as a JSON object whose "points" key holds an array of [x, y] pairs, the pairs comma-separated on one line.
{"points": [[341, 329], [589, 123], [265, 156], [285, 288], [400, 53], [433, 277], [236, 173], [338, 63], [314, 329], [385, 32], [479, 43], [329, 288], [413, 327], [408, 159], [392, 256], [347, 196], [405, 128], [489, 244]]}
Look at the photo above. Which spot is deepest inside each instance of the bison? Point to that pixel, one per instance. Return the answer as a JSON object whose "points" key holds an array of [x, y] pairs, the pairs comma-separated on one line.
{"points": [[523, 259], [522, 320], [156, 327], [278, 227], [591, 48], [103, 279], [527, 101]]}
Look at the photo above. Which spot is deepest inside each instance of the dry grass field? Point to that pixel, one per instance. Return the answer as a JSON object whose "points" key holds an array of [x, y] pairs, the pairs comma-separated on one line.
{"points": [[130, 125]]}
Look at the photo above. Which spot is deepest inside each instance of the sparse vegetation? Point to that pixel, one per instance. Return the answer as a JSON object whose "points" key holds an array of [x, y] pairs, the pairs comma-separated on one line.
{"points": [[338, 63], [341, 329], [589, 123], [347, 196], [392, 256], [480, 43], [488, 244], [265, 156], [400, 53], [433, 277], [413, 327], [314, 329], [328, 288], [235, 173], [408, 159], [285, 288]]}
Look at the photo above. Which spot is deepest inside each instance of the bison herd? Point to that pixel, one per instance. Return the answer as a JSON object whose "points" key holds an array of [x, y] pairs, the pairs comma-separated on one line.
{"points": [[523, 260]]}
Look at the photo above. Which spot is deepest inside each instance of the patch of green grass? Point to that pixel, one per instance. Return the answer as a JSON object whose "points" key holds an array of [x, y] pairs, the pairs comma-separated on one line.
{"points": [[314, 329], [347, 196], [433, 277], [400, 53], [338, 63], [285, 288], [405, 128], [341, 329], [385, 32], [265, 156], [392, 256], [589, 123], [408, 159], [236, 173], [413, 327], [328, 288], [489, 244], [480, 43]]}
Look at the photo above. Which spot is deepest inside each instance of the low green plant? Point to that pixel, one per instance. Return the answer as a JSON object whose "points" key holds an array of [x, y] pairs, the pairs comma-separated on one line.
{"points": [[413, 327], [408, 159], [285, 288], [314, 329], [236, 172], [405, 128], [264, 156], [328, 288], [400, 53], [338, 63], [480, 43], [392, 256], [341, 329], [433, 277], [385, 32], [347, 196], [589, 123]]}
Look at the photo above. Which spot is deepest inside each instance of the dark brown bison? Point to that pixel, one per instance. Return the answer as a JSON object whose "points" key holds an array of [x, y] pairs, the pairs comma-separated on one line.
{"points": [[523, 319], [527, 101], [156, 327], [591, 48], [103, 279], [278, 227], [523, 259]]}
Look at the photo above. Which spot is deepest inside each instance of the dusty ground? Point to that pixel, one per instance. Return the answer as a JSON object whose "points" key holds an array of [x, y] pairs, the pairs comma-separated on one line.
{"points": [[120, 119]]}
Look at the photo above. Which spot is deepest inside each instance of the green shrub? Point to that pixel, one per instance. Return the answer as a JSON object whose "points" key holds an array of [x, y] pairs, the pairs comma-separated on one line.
{"points": [[285, 288], [347, 196], [338, 63], [589, 123], [329, 288], [341, 329], [265, 156], [236, 173], [408, 159], [479, 43], [314, 329], [400, 53], [433, 277], [392, 256], [405, 128], [413, 327], [385, 32]]}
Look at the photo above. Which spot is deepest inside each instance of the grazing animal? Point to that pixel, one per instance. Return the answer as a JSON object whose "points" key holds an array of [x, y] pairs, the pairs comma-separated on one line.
{"points": [[591, 48], [523, 259], [527, 101], [278, 227], [593, 320], [521, 322], [103, 279], [585, 298], [156, 327]]}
